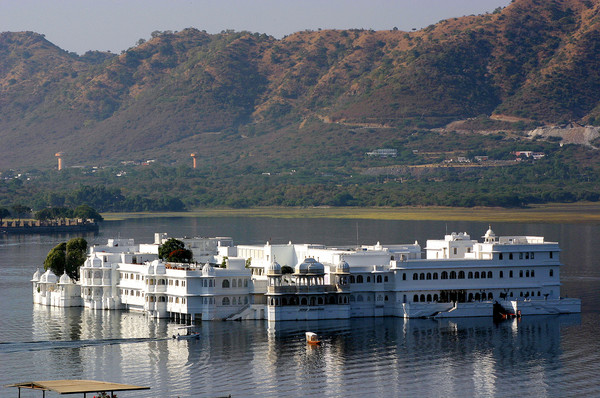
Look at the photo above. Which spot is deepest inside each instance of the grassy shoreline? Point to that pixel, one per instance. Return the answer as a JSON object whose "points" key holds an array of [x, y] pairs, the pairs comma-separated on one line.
{"points": [[554, 213]]}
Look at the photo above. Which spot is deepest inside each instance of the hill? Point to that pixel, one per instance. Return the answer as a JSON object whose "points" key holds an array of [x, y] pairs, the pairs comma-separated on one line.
{"points": [[500, 109], [235, 95]]}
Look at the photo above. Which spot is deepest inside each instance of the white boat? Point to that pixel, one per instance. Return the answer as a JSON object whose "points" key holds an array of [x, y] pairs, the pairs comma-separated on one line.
{"points": [[189, 333]]}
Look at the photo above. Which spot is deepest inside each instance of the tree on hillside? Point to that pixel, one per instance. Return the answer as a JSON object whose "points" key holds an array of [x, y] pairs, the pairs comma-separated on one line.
{"points": [[20, 210], [53, 213], [3, 213], [87, 213], [67, 258], [174, 250]]}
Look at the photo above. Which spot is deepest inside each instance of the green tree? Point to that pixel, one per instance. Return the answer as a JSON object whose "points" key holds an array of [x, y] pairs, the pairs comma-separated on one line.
{"points": [[174, 250], [87, 212], [20, 210], [67, 258], [3, 213], [56, 259]]}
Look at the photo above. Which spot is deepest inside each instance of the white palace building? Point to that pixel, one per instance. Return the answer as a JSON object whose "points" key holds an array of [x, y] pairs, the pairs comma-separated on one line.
{"points": [[455, 277]]}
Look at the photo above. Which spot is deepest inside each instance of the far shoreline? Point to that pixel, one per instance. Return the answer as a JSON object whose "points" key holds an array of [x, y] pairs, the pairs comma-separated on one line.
{"points": [[547, 213]]}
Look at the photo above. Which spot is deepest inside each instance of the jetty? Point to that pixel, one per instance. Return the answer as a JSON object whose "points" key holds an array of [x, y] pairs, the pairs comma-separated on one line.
{"points": [[45, 227]]}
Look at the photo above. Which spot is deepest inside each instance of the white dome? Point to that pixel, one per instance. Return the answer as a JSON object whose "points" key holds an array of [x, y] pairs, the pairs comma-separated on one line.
{"points": [[342, 267], [96, 262], [64, 279], [36, 275], [301, 268], [48, 277], [310, 266], [274, 269], [208, 270]]}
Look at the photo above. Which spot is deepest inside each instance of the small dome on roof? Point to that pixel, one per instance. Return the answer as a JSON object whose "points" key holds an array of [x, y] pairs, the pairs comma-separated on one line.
{"points": [[36, 275], [314, 267], [302, 268], [274, 268], [64, 279], [208, 270], [48, 277], [96, 262], [489, 233], [342, 267]]}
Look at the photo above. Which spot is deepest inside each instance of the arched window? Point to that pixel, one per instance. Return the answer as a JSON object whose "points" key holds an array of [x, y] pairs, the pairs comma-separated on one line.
{"points": [[490, 296], [501, 274], [476, 274], [422, 276], [429, 298], [239, 283], [477, 297], [387, 299], [303, 301], [359, 279], [245, 282], [533, 273], [352, 299], [470, 275], [404, 276], [527, 273], [416, 298], [385, 278], [320, 301], [461, 275], [234, 301], [422, 298], [490, 274], [359, 298], [444, 275], [482, 274], [500, 256], [520, 273], [233, 283], [435, 276], [452, 274], [470, 297], [551, 272], [429, 276], [352, 279], [379, 280], [435, 297], [510, 274], [415, 277], [225, 283], [368, 279]]}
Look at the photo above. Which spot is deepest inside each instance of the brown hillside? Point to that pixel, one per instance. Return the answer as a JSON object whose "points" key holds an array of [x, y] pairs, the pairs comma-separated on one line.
{"points": [[227, 95]]}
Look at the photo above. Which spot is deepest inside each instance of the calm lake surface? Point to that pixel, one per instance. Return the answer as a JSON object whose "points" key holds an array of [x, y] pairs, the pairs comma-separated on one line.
{"points": [[553, 356]]}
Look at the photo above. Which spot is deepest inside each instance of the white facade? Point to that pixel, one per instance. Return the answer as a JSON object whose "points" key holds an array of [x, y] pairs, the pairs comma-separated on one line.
{"points": [[457, 276]]}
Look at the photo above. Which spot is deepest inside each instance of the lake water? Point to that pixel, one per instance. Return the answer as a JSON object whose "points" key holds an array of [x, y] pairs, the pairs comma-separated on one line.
{"points": [[553, 356]]}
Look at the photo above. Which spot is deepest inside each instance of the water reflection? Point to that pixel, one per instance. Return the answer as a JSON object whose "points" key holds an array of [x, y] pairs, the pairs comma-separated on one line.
{"points": [[379, 356], [540, 355]]}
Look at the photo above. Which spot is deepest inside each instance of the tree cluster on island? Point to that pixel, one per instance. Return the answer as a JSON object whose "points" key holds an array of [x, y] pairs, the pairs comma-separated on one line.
{"points": [[67, 257]]}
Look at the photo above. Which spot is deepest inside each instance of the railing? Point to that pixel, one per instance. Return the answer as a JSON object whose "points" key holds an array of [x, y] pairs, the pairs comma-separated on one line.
{"points": [[302, 289]]}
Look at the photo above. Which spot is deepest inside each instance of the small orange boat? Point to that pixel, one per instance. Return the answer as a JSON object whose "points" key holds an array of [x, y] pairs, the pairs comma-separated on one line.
{"points": [[312, 338]]}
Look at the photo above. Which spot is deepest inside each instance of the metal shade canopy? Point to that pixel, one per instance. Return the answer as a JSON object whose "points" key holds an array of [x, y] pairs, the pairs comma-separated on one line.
{"points": [[76, 386]]}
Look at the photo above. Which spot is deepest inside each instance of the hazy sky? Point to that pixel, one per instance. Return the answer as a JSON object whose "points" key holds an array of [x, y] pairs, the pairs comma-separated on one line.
{"points": [[81, 25]]}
